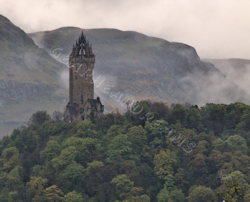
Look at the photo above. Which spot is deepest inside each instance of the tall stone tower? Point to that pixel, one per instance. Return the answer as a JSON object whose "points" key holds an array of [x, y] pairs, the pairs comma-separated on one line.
{"points": [[82, 104]]}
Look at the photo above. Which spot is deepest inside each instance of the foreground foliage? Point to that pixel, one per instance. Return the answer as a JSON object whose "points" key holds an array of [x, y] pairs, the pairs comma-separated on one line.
{"points": [[160, 153]]}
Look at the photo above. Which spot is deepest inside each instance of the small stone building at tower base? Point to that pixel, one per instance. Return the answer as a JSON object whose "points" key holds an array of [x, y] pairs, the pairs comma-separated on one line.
{"points": [[93, 108]]}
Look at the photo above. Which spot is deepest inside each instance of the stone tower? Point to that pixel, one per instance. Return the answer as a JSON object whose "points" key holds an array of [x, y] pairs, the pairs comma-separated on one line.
{"points": [[82, 104]]}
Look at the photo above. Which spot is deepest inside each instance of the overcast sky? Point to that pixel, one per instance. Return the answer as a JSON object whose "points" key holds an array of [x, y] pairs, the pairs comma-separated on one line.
{"points": [[215, 28]]}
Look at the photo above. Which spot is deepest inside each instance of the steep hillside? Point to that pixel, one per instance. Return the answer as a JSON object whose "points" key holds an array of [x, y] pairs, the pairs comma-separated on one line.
{"points": [[142, 67], [29, 78]]}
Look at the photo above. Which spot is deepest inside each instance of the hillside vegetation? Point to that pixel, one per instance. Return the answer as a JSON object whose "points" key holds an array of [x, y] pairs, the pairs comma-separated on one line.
{"points": [[151, 153]]}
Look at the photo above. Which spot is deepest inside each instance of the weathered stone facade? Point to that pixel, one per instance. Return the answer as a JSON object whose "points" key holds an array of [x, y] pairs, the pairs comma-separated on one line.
{"points": [[82, 104]]}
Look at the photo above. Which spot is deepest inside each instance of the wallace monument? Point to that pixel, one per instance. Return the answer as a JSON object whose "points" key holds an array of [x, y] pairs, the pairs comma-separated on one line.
{"points": [[82, 104]]}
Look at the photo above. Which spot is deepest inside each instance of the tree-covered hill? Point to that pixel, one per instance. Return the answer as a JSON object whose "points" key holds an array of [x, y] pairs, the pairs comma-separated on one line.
{"points": [[151, 153]]}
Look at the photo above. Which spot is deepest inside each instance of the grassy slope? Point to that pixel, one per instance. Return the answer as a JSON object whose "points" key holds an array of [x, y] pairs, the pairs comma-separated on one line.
{"points": [[25, 69]]}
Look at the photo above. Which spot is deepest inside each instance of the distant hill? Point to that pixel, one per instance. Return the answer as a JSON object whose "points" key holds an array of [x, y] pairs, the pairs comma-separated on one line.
{"points": [[129, 65], [29, 78], [145, 67]]}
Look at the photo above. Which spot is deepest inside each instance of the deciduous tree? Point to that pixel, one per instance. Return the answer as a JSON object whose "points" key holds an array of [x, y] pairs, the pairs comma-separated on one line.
{"points": [[164, 162]]}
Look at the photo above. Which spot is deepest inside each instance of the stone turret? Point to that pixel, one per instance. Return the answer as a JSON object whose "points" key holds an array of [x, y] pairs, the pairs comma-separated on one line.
{"points": [[82, 104]]}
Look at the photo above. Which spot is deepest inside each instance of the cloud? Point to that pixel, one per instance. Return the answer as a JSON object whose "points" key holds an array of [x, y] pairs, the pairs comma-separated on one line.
{"points": [[237, 74], [216, 28], [212, 88]]}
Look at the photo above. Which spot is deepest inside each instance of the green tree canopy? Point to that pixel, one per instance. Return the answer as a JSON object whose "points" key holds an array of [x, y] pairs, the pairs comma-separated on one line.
{"points": [[164, 162], [66, 157], [120, 146], [237, 143], [123, 184], [201, 193], [52, 150], [52, 194], [163, 195], [73, 197]]}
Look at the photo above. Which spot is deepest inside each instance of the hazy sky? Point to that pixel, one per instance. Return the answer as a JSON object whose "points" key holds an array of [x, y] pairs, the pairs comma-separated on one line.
{"points": [[215, 28]]}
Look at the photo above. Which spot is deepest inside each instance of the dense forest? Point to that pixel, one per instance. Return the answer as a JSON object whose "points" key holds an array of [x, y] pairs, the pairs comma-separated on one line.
{"points": [[153, 152]]}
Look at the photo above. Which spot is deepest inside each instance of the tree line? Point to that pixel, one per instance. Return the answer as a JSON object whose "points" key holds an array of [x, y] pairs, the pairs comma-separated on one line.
{"points": [[131, 157]]}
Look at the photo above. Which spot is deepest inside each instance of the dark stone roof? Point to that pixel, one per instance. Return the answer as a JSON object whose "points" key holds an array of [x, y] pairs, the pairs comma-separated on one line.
{"points": [[94, 102]]}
